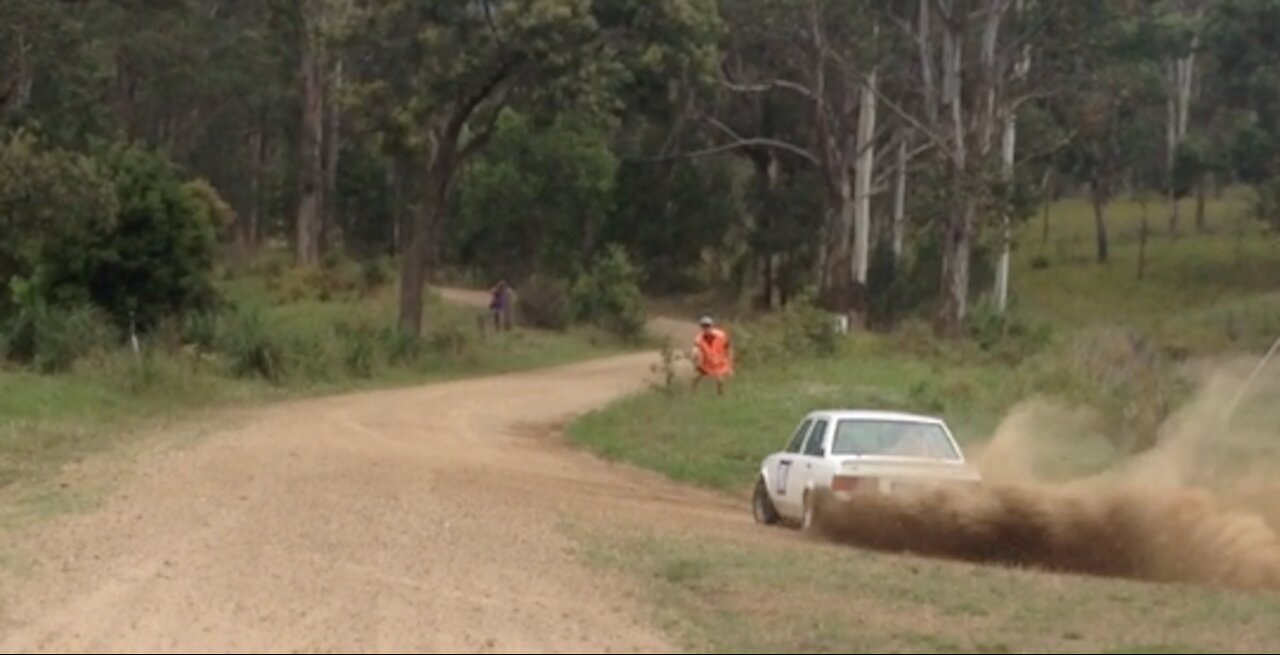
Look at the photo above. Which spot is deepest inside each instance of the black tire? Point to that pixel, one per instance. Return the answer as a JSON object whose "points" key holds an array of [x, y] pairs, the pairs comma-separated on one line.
{"points": [[762, 506]]}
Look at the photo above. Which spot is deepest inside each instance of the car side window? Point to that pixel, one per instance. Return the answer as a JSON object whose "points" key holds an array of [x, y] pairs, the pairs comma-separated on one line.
{"points": [[815, 446], [797, 440]]}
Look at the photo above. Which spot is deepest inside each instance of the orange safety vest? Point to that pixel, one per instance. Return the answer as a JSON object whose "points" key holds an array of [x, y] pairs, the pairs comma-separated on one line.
{"points": [[713, 353]]}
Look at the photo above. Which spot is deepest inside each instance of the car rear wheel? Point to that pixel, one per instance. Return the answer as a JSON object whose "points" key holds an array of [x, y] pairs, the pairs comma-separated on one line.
{"points": [[762, 506]]}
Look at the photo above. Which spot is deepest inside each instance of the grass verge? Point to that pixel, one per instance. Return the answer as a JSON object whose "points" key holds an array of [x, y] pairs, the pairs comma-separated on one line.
{"points": [[727, 597], [719, 442], [1121, 348], [269, 350]]}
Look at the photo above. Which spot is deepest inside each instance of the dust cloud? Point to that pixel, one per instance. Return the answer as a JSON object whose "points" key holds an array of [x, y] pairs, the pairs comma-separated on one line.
{"points": [[1202, 506]]}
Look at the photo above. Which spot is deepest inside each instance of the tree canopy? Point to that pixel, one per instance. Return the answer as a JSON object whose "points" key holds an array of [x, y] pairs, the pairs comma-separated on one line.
{"points": [[760, 147]]}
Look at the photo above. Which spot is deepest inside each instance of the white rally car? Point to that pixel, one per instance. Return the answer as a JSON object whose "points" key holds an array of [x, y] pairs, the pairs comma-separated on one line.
{"points": [[848, 451]]}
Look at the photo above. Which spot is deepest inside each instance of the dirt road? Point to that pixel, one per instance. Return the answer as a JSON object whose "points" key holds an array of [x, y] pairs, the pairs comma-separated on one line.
{"points": [[419, 520]]}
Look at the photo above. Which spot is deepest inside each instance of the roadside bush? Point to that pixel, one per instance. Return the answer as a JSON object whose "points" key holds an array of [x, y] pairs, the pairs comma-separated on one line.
{"points": [[544, 303], [52, 338], [336, 278], [1007, 336], [340, 276], [201, 329], [609, 294], [53, 204], [402, 349], [801, 329], [375, 274], [808, 328], [156, 260], [449, 339], [361, 348], [252, 349]]}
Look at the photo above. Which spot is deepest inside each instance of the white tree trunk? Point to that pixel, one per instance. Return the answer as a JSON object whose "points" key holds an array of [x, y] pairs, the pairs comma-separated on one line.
{"points": [[863, 179], [1182, 78], [1006, 237], [928, 78], [1008, 151]]}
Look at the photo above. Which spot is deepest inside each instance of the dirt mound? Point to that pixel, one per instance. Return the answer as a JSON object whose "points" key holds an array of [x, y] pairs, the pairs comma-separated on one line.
{"points": [[1194, 509]]}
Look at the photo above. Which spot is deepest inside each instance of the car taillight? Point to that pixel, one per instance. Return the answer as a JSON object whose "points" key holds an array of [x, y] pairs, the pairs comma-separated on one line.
{"points": [[845, 483]]}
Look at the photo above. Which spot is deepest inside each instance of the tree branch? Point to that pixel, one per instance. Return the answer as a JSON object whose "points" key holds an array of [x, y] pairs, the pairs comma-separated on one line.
{"points": [[939, 141], [1037, 94], [775, 144], [883, 178], [1053, 149], [504, 71], [741, 142], [481, 137], [769, 86], [493, 25]]}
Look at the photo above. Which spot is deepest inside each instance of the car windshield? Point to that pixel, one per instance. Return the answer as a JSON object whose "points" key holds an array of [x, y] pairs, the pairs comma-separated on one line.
{"points": [[893, 439]]}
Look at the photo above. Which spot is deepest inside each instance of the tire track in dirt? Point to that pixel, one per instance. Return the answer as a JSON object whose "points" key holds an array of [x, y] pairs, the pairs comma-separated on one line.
{"points": [[422, 520]]}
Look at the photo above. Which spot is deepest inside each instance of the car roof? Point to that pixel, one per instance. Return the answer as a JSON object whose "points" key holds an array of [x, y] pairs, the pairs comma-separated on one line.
{"points": [[873, 415]]}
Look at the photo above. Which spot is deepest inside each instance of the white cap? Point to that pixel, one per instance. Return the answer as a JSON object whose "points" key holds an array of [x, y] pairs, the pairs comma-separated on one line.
{"points": [[705, 320]]}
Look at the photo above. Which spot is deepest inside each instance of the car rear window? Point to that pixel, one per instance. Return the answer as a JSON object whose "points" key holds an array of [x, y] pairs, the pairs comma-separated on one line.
{"points": [[893, 439]]}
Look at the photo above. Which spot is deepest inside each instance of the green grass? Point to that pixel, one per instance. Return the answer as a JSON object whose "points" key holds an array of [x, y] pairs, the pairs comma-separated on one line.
{"points": [[721, 596], [48, 421], [719, 441], [1202, 295], [1232, 265]]}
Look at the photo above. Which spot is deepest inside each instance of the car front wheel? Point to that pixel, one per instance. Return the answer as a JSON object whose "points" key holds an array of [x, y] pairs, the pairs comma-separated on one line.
{"points": [[762, 506]]}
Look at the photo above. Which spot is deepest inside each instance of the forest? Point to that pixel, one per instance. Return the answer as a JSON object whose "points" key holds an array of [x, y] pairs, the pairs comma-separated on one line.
{"points": [[878, 156], [253, 395]]}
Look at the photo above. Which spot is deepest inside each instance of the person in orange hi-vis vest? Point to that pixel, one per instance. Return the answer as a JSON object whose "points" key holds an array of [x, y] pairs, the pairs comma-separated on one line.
{"points": [[713, 354]]}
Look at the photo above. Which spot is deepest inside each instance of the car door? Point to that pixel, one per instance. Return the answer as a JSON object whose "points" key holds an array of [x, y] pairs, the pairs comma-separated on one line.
{"points": [[808, 463], [782, 468]]}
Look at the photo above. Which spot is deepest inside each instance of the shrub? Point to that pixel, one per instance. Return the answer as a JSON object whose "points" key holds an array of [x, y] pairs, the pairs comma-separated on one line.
{"points": [[52, 338], [609, 294], [213, 208], [201, 329], [809, 328], [801, 329], [361, 348], [1267, 205], [1007, 336], [53, 204], [544, 303], [449, 339], [402, 349], [252, 348], [376, 274], [157, 258]]}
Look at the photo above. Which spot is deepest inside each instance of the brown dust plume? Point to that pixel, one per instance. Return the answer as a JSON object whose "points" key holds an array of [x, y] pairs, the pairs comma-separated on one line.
{"points": [[1199, 507]]}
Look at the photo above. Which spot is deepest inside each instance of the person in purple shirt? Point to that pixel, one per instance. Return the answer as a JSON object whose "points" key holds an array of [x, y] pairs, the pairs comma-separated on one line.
{"points": [[500, 305]]}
